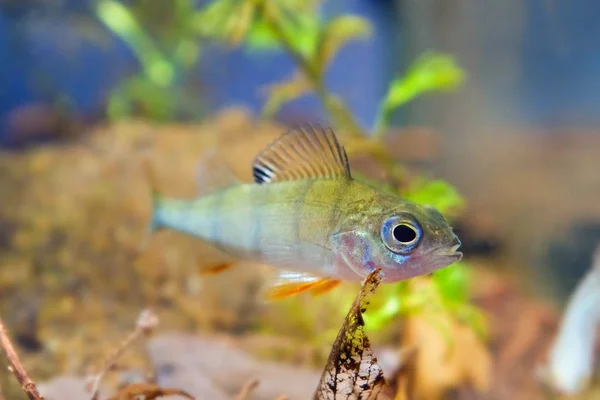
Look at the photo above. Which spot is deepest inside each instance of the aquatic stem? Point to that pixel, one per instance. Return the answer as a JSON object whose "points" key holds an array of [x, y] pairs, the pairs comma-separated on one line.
{"points": [[381, 121], [247, 389], [334, 106], [16, 367], [145, 324], [571, 361]]}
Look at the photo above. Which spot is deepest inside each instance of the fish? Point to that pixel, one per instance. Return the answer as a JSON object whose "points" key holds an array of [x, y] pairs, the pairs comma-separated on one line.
{"points": [[308, 217]]}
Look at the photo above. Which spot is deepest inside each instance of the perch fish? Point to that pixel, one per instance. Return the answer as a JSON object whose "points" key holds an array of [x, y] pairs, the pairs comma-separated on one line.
{"points": [[306, 215]]}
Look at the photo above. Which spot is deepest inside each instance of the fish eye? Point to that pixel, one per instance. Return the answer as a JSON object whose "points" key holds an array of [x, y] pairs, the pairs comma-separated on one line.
{"points": [[401, 234], [404, 233]]}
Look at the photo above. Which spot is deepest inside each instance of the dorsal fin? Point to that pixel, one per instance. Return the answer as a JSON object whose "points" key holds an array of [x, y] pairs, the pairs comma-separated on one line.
{"points": [[212, 172], [303, 152]]}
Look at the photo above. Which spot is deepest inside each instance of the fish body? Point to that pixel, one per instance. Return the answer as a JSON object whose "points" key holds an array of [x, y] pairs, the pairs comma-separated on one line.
{"points": [[306, 215]]}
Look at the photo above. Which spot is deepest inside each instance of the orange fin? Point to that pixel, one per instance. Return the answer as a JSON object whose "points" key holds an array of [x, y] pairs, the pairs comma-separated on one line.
{"points": [[285, 290], [323, 286], [291, 283], [215, 269]]}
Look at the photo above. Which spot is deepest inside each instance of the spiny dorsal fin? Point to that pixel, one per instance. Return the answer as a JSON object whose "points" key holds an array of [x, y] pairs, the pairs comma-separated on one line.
{"points": [[212, 172], [303, 152]]}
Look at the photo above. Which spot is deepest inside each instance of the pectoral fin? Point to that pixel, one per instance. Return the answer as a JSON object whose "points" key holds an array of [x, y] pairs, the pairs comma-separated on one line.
{"points": [[324, 286], [291, 283]]}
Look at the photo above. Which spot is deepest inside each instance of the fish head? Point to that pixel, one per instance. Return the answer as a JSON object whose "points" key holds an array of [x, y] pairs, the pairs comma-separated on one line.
{"points": [[405, 240]]}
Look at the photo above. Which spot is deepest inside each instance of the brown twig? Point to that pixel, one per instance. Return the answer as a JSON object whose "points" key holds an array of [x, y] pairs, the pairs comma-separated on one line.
{"points": [[145, 324], [16, 367], [247, 389]]}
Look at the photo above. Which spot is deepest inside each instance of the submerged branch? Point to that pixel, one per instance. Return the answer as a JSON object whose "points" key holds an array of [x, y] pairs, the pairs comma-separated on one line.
{"points": [[352, 370], [145, 324], [16, 367], [571, 360], [247, 389]]}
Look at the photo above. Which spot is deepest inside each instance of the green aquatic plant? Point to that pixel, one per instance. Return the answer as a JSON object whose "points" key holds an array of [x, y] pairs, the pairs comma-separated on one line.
{"points": [[430, 72], [312, 42], [297, 28], [161, 37]]}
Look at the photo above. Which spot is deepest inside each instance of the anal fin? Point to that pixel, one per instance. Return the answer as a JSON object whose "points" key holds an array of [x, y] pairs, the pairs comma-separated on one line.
{"points": [[291, 283], [324, 285], [215, 269]]}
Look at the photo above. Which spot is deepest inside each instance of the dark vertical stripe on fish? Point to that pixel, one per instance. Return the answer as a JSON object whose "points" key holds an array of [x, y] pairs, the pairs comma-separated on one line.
{"points": [[216, 217], [258, 198], [297, 213], [336, 210]]}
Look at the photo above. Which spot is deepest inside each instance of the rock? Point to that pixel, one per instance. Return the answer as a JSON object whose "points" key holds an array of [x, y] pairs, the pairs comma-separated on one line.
{"points": [[65, 387], [185, 361], [207, 368]]}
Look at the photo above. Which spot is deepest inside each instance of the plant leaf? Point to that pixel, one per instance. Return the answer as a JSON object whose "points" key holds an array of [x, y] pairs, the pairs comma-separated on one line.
{"points": [[123, 23], [352, 371], [429, 72], [337, 32], [281, 93], [453, 282], [224, 20], [449, 354], [437, 193]]}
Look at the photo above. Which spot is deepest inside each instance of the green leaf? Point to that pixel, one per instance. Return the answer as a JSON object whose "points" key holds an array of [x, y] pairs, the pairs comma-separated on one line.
{"points": [[281, 93], [143, 95], [118, 104], [303, 32], [261, 37], [431, 71], [337, 32], [437, 193], [378, 319], [187, 53], [453, 282], [124, 24], [234, 21], [224, 20]]}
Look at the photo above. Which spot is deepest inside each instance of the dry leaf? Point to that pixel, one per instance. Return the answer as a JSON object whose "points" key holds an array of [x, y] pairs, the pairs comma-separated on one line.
{"points": [[352, 370], [405, 376], [284, 92], [449, 354], [339, 31], [147, 391]]}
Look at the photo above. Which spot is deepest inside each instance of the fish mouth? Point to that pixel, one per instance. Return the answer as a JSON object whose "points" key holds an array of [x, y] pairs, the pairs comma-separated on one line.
{"points": [[452, 252]]}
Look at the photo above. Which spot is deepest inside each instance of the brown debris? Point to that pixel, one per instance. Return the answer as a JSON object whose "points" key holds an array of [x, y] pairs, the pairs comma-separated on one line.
{"points": [[148, 391], [247, 389], [521, 332], [352, 369], [145, 324], [16, 367], [405, 376]]}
